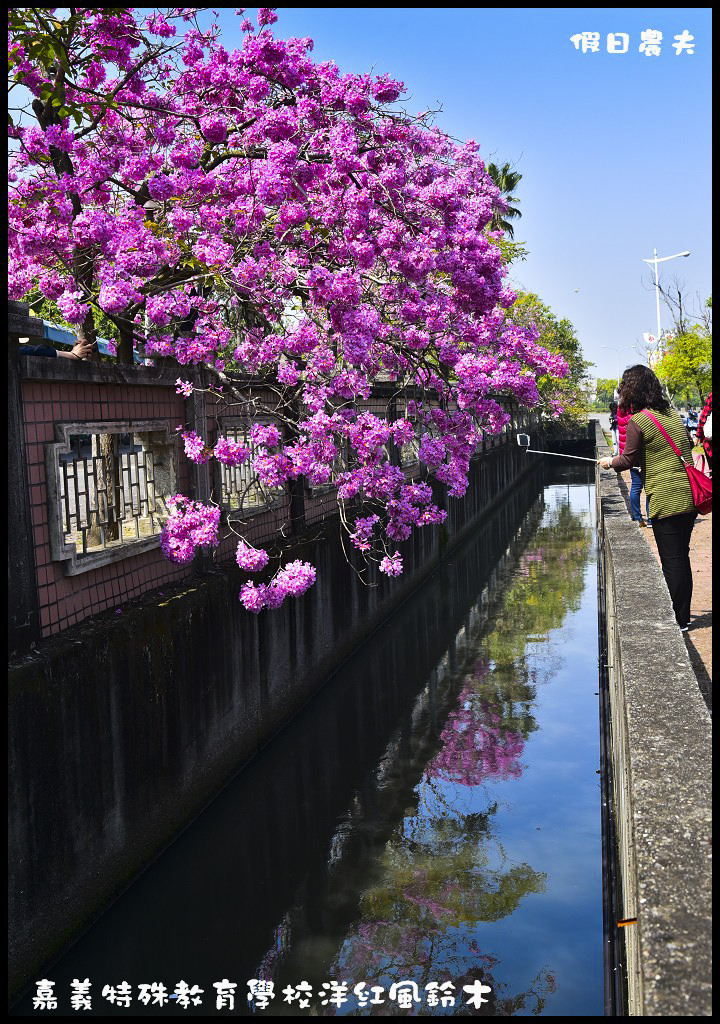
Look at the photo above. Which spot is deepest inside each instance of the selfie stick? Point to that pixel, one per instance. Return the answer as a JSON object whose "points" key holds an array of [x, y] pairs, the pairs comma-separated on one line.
{"points": [[524, 440]]}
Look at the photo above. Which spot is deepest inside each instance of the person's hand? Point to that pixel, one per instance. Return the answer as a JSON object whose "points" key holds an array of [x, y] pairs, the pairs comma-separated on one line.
{"points": [[605, 462], [81, 349]]}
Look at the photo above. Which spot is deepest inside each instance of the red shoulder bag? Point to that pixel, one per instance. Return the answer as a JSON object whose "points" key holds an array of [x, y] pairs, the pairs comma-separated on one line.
{"points": [[700, 485]]}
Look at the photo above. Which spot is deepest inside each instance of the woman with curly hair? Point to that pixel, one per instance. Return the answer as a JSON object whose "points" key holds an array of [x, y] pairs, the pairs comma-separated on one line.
{"points": [[667, 488], [704, 431]]}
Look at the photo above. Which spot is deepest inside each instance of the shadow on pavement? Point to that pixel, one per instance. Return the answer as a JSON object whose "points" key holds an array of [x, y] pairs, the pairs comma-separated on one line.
{"points": [[704, 680]]}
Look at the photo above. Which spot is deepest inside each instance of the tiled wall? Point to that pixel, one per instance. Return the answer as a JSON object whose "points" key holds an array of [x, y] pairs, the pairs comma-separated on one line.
{"points": [[67, 600]]}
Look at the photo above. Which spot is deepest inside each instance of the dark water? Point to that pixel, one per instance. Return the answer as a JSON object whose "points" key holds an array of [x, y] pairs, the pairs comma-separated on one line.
{"points": [[432, 817]]}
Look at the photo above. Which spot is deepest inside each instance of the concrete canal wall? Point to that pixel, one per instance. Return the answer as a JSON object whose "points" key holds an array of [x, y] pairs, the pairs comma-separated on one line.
{"points": [[661, 755], [123, 726]]}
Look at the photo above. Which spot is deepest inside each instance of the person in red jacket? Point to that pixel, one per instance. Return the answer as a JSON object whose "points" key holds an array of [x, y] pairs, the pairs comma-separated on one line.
{"points": [[700, 436], [623, 417]]}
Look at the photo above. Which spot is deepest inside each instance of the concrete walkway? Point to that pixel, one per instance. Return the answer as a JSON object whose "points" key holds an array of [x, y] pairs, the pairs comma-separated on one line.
{"points": [[699, 637], [661, 757]]}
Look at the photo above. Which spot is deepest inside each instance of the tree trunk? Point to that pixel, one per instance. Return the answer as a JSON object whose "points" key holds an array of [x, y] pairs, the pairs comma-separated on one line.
{"points": [[395, 453], [104, 446], [125, 345], [109, 445]]}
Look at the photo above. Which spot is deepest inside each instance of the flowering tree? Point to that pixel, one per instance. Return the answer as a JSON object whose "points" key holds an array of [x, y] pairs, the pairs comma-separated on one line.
{"points": [[256, 211]]}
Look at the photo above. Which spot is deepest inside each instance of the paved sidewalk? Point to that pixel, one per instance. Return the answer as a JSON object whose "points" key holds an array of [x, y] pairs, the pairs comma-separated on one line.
{"points": [[699, 637]]}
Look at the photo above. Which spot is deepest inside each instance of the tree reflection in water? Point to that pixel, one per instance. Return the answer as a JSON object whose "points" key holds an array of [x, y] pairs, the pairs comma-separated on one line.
{"points": [[477, 742]]}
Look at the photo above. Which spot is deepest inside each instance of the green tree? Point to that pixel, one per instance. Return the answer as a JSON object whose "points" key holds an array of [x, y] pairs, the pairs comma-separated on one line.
{"points": [[507, 181], [511, 251], [605, 389], [686, 367], [558, 336]]}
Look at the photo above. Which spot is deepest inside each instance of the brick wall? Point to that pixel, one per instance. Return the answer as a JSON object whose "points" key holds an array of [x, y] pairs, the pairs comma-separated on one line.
{"points": [[66, 600]]}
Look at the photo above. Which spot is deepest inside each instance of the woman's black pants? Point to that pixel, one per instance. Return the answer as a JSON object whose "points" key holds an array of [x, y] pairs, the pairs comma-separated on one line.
{"points": [[672, 536]]}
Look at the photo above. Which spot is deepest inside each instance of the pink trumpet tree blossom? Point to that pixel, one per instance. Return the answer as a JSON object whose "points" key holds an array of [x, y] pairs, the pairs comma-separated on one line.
{"points": [[258, 212]]}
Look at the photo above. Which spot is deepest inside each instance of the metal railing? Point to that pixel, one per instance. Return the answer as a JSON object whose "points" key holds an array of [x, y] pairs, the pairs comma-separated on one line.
{"points": [[107, 498]]}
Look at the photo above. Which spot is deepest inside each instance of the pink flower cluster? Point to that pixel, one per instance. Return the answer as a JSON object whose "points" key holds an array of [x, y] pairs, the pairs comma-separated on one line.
{"points": [[189, 526], [249, 558], [72, 308], [362, 535], [116, 296], [392, 565], [291, 581], [195, 448], [265, 434], [229, 452]]}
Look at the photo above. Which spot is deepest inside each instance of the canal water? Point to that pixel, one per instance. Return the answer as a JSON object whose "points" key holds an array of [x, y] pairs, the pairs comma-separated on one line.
{"points": [[424, 838]]}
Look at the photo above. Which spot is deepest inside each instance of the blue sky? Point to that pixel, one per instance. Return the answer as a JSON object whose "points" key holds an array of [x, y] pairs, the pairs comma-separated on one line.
{"points": [[614, 149]]}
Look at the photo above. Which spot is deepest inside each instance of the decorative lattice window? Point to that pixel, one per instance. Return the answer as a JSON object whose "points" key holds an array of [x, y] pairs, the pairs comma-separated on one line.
{"points": [[107, 484]]}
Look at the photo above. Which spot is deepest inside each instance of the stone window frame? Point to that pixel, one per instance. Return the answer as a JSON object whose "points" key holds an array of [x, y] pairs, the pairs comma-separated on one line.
{"points": [[162, 440]]}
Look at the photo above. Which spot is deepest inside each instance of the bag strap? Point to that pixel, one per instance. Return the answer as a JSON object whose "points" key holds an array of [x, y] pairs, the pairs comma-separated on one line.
{"points": [[666, 436]]}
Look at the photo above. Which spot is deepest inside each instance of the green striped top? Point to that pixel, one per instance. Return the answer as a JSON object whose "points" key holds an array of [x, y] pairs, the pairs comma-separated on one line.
{"points": [[663, 474]]}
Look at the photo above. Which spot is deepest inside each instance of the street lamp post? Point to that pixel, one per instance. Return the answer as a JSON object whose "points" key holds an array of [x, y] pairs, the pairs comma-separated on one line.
{"points": [[618, 350], [660, 259]]}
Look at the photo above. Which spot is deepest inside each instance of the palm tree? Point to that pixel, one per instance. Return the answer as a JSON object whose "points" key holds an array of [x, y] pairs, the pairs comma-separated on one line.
{"points": [[507, 181]]}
